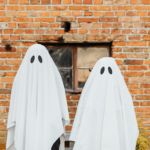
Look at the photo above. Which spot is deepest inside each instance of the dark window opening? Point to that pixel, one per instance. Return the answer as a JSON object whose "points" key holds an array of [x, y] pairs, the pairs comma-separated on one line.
{"points": [[76, 61]]}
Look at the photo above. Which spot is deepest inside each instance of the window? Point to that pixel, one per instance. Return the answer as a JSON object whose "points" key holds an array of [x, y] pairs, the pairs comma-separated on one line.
{"points": [[75, 62]]}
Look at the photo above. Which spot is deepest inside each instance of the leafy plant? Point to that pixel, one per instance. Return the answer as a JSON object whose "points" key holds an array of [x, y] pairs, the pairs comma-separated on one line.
{"points": [[143, 142]]}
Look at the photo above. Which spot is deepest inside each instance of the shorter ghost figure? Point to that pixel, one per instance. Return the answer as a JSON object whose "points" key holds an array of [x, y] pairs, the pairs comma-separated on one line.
{"points": [[38, 108], [105, 118]]}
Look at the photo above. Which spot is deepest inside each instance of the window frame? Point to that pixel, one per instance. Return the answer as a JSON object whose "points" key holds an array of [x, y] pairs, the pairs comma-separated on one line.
{"points": [[74, 47]]}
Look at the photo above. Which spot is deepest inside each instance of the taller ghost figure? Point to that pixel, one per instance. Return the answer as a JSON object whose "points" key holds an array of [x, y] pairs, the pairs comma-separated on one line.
{"points": [[38, 109], [105, 118]]}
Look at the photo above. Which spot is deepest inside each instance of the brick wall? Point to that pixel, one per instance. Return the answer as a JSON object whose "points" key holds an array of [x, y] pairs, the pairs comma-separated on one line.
{"points": [[124, 22]]}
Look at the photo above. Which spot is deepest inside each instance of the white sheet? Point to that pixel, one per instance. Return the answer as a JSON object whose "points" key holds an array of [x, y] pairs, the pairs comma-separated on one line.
{"points": [[38, 110], [105, 118]]}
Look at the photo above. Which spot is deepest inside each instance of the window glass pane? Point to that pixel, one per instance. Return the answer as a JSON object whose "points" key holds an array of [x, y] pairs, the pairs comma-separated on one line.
{"points": [[87, 57], [82, 77], [62, 56], [67, 78]]}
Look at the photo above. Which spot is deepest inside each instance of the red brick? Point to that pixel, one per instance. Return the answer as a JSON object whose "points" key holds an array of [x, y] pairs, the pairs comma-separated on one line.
{"points": [[141, 13], [23, 13], [5, 19], [136, 103], [12, 25], [98, 2], [77, 13], [44, 14], [52, 37], [22, 25], [44, 19], [138, 55], [2, 7], [54, 25], [145, 2], [13, 1], [136, 91], [131, 85], [87, 19], [83, 31], [115, 31], [134, 2], [140, 43], [100, 8], [55, 13], [95, 37], [5, 37], [11, 13], [2, 13], [35, 7], [133, 74], [120, 55], [18, 31], [137, 67], [13, 62], [77, 1], [14, 7], [8, 31], [15, 67], [106, 25], [96, 25], [12, 43], [133, 19], [87, 13], [4, 103], [104, 31], [39, 31], [98, 14], [131, 13], [3, 1], [108, 2], [118, 43], [146, 37], [142, 31], [30, 37], [49, 31], [87, 1], [56, 1], [112, 19], [29, 31], [121, 7], [44, 24], [14, 37], [119, 13], [11, 74], [119, 62], [66, 13], [116, 37], [147, 73], [94, 31], [109, 13], [142, 109], [145, 85], [145, 115], [46, 2], [22, 19], [22, 2]]}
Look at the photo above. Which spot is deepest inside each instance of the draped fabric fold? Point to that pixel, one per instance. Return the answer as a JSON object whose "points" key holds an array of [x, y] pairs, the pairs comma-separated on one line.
{"points": [[38, 107], [105, 118]]}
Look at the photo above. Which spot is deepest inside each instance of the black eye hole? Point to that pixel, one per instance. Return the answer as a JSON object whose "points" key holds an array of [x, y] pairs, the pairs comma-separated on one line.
{"points": [[40, 59], [32, 59], [102, 70], [109, 70]]}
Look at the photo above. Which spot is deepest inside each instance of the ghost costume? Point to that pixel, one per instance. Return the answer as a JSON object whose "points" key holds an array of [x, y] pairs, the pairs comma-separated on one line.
{"points": [[105, 118], [38, 108]]}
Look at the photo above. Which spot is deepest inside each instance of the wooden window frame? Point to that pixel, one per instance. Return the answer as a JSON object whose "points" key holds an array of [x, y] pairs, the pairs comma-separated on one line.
{"points": [[74, 47]]}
